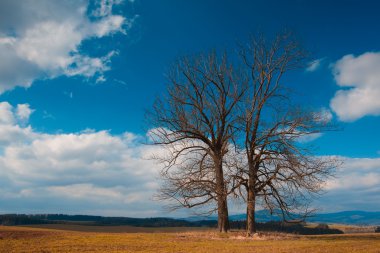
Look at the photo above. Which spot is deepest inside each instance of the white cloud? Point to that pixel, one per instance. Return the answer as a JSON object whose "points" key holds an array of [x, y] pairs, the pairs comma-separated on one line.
{"points": [[357, 173], [83, 170], [23, 112], [42, 39], [309, 137], [6, 114], [324, 115], [314, 65], [10, 115], [356, 186], [105, 7], [360, 78]]}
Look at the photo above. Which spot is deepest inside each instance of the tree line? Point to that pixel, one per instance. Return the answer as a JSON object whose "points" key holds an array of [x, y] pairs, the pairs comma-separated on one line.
{"points": [[88, 220], [231, 130]]}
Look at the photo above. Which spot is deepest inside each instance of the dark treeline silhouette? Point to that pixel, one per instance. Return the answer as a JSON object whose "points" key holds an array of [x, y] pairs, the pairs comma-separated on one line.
{"points": [[277, 226], [285, 227], [23, 219]]}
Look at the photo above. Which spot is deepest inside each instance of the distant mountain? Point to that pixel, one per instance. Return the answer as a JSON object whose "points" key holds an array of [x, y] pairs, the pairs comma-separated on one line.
{"points": [[89, 220], [346, 217], [262, 216]]}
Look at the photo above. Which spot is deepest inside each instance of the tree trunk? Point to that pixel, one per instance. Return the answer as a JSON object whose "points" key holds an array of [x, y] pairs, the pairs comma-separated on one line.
{"points": [[251, 202], [251, 205], [223, 222]]}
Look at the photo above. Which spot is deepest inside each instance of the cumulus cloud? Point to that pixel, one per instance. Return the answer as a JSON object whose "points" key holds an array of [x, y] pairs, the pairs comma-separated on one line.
{"points": [[6, 114], [42, 39], [95, 172], [359, 76], [356, 186], [357, 173], [84, 170], [23, 112]]}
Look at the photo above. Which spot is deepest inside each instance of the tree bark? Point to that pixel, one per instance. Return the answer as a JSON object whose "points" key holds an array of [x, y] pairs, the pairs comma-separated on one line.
{"points": [[251, 203], [223, 222], [251, 206]]}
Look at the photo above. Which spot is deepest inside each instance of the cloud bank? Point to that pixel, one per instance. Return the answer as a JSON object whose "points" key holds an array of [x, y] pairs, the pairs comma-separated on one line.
{"points": [[95, 172], [356, 186], [359, 78], [43, 39], [86, 172]]}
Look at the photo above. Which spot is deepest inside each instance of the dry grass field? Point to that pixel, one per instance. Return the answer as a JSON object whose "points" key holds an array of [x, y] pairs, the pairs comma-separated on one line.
{"points": [[120, 239], [118, 229]]}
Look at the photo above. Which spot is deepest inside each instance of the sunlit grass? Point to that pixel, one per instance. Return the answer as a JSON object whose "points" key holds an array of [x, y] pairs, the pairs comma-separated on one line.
{"points": [[21, 239]]}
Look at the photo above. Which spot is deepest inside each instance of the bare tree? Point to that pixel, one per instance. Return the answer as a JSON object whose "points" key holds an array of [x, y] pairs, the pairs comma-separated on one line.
{"points": [[232, 129], [277, 170], [196, 123]]}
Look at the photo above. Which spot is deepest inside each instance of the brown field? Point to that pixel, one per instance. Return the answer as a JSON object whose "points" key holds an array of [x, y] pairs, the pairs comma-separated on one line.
{"points": [[117, 229], [348, 229], [120, 239]]}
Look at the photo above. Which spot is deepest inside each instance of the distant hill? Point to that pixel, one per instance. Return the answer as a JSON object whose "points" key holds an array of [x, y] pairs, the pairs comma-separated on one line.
{"points": [[346, 217], [87, 220], [262, 216], [23, 219]]}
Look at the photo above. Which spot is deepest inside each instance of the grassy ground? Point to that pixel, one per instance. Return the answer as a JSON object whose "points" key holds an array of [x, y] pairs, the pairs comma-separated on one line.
{"points": [[348, 229], [23, 239], [118, 229]]}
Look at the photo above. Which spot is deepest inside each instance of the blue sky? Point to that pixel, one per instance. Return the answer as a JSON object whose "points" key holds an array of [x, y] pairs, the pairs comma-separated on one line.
{"points": [[76, 77]]}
